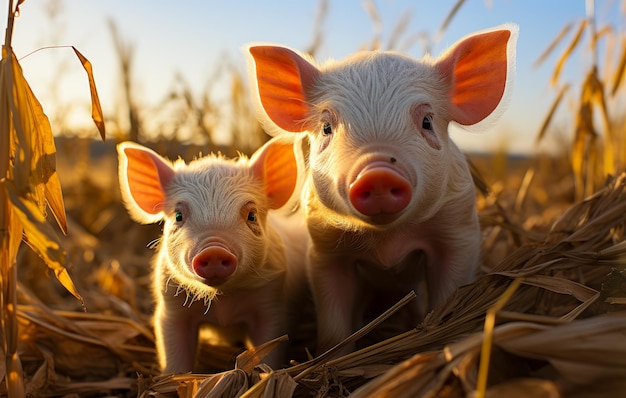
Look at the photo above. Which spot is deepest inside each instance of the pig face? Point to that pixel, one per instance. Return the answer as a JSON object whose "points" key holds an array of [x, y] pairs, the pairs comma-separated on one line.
{"points": [[381, 151], [214, 235], [377, 122], [214, 212]]}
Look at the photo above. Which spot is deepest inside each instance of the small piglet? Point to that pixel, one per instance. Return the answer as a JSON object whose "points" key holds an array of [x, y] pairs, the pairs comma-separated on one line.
{"points": [[225, 257], [389, 198]]}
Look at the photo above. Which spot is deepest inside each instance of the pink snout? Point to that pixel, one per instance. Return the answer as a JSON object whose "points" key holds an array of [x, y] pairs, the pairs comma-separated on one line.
{"points": [[215, 264], [380, 191]]}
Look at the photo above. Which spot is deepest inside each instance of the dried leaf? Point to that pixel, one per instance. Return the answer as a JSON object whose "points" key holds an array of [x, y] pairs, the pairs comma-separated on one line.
{"points": [[599, 349], [280, 385], [561, 286], [407, 378], [232, 384], [250, 358], [41, 238], [12, 224], [35, 148], [398, 30], [20, 140], [606, 30], [446, 22], [551, 112], [585, 137], [568, 52], [96, 110], [477, 178], [54, 199], [619, 73], [374, 14], [490, 320], [10, 232], [546, 53]]}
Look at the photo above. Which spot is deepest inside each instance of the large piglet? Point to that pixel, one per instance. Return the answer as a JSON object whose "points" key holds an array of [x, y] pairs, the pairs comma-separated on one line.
{"points": [[222, 258], [389, 199]]}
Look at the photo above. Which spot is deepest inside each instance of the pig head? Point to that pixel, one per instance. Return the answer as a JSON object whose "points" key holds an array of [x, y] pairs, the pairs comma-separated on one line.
{"points": [[387, 189], [220, 259]]}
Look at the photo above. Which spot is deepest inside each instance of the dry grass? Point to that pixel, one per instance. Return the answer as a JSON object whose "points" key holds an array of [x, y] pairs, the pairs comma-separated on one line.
{"points": [[560, 332], [547, 316]]}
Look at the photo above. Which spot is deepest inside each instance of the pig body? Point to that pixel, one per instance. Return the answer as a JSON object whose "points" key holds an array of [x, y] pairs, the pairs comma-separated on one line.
{"points": [[221, 259], [389, 199]]}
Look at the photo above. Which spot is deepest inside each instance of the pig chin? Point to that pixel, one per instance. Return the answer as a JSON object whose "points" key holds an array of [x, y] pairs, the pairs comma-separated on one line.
{"points": [[382, 221]]}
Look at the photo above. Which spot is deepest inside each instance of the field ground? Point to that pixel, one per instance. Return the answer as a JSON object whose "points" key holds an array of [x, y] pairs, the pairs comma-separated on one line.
{"points": [[67, 351]]}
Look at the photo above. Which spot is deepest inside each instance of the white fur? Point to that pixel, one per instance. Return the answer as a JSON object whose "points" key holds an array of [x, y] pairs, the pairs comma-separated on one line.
{"points": [[371, 100], [214, 193]]}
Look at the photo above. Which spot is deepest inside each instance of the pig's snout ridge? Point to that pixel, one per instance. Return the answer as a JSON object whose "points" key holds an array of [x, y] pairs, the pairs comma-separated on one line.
{"points": [[380, 191], [215, 264]]}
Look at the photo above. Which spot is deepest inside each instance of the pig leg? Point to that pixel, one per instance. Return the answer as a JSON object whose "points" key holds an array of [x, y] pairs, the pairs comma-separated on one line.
{"points": [[269, 321], [266, 330], [333, 284], [175, 322], [176, 330], [458, 250], [176, 333]]}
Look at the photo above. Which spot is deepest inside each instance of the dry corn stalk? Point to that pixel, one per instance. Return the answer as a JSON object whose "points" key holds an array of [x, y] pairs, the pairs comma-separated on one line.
{"points": [[29, 185], [596, 150]]}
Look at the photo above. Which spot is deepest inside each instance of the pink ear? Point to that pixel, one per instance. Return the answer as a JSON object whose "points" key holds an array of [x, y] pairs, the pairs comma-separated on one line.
{"points": [[283, 78], [478, 68], [275, 163], [143, 178]]}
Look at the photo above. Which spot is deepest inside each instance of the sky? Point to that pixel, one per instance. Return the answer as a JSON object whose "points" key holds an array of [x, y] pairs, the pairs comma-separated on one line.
{"points": [[192, 37]]}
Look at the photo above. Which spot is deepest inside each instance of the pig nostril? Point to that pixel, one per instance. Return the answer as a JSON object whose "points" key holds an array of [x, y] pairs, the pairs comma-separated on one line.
{"points": [[227, 263]]}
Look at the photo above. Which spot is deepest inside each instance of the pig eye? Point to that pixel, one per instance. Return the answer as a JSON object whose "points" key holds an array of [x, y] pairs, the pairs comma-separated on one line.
{"points": [[250, 213], [180, 212], [327, 129], [427, 123]]}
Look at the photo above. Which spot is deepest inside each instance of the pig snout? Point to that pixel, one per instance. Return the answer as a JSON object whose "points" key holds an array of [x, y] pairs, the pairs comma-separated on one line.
{"points": [[215, 264], [380, 191]]}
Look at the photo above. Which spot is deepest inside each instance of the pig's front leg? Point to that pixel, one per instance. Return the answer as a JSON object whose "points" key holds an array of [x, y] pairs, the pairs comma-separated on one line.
{"points": [[269, 322], [333, 285], [457, 253], [176, 330]]}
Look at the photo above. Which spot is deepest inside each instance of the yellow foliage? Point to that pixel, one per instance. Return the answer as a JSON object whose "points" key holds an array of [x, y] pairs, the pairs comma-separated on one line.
{"points": [[29, 184]]}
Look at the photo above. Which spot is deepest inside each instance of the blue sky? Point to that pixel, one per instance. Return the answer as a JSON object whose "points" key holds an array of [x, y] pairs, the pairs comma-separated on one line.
{"points": [[191, 37]]}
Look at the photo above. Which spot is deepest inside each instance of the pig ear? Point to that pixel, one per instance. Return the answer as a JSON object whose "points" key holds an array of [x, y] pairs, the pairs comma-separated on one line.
{"points": [[282, 78], [480, 69], [276, 164], [143, 177]]}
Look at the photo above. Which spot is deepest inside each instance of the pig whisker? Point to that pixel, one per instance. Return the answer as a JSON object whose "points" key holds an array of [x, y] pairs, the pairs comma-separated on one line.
{"points": [[154, 244], [167, 284], [178, 290], [207, 304]]}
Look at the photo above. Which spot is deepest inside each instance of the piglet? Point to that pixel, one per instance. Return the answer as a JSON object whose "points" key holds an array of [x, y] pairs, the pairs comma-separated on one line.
{"points": [[221, 259], [389, 198]]}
